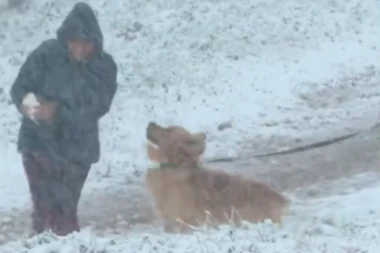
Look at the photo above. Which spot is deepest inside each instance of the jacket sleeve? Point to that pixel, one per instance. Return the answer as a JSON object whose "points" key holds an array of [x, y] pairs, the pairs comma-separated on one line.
{"points": [[100, 100], [30, 75]]}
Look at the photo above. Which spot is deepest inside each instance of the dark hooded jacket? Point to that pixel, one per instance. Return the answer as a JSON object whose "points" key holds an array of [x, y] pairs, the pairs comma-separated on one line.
{"points": [[84, 91]]}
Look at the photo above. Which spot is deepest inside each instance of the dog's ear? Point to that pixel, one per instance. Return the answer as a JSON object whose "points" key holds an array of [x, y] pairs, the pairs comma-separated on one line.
{"points": [[201, 137]]}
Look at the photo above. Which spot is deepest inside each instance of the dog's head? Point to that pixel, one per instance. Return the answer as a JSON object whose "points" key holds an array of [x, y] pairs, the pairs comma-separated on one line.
{"points": [[175, 145]]}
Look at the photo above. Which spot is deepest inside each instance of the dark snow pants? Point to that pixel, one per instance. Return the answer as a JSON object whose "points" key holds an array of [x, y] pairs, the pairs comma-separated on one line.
{"points": [[55, 193]]}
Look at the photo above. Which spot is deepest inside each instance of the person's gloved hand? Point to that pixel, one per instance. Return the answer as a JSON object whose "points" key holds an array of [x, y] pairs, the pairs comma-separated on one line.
{"points": [[38, 109], [45, 112]]}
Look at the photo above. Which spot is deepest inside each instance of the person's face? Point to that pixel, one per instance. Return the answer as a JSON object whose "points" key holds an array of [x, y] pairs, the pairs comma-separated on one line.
{"points": [[80, 50]]}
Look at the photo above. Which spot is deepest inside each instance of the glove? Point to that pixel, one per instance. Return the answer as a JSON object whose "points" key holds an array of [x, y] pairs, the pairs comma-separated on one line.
{"points": [[45, 112], [38, 109]]}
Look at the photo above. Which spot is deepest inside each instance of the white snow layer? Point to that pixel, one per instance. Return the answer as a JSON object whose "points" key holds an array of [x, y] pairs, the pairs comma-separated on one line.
{"points": [[292, 68], [338, 224]]}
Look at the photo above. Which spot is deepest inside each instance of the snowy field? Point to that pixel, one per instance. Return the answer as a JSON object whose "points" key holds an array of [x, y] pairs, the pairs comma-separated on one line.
{"points": [[284, 69]]}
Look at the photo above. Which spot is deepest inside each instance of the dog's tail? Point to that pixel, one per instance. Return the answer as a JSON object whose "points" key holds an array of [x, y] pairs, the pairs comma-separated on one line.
{"points": [[280, 208], [270, 202], [285, 206]]}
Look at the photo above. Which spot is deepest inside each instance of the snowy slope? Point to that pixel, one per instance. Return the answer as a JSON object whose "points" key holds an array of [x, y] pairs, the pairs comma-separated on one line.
{"points": [[284, 68]]}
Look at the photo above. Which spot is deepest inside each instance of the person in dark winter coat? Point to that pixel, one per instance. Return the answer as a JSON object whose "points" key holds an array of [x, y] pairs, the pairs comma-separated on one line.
{"points": [[74, 80]]}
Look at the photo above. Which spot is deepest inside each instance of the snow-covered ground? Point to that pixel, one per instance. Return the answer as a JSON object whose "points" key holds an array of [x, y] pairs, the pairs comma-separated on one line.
{"points": [[337, 224], [299, 69]]}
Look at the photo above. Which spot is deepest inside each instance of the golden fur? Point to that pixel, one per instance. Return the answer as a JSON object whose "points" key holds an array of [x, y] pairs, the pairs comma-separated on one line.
{"points": [[186, 194]]}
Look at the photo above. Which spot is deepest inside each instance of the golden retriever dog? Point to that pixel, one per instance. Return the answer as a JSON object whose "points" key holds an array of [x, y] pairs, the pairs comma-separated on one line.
{"points": [[187, 195]]}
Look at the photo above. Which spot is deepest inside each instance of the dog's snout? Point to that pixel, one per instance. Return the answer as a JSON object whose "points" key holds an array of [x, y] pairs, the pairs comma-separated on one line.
{"points": [[151, 124], [149, 130]]}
